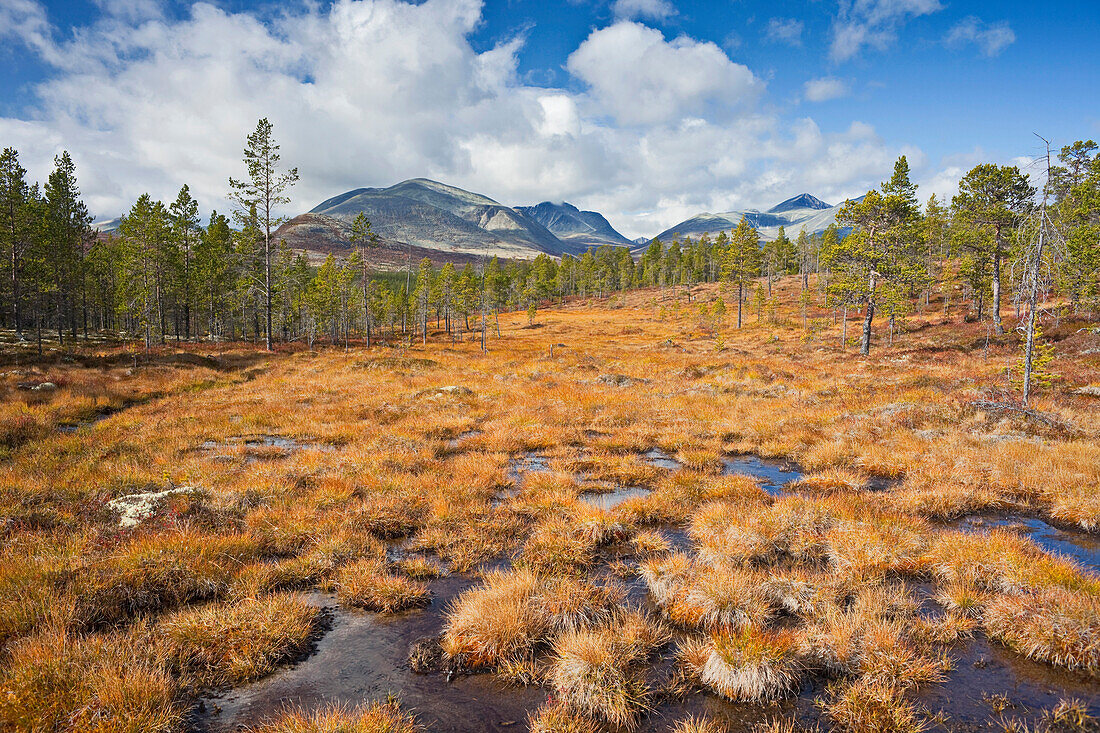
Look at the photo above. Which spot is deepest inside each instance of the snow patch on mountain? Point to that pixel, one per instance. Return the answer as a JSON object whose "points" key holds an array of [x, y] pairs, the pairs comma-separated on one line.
{"points": [[803, 212]]}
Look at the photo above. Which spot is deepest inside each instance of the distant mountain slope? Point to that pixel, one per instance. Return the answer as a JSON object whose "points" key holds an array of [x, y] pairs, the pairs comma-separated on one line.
{"points": [[427, 215], [802, 212], [107, 226], [318, 236], [570, 224], [799, 202]]}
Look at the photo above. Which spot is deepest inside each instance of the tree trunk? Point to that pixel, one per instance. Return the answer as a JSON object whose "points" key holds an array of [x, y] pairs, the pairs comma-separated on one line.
{"points": [[267, 282], [997, 325], [740, 299], [865, 343], [1033, 302]]}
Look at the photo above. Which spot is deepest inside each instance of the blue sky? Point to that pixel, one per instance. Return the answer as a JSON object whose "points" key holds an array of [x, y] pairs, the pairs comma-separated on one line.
{"points": [[647, 110]]}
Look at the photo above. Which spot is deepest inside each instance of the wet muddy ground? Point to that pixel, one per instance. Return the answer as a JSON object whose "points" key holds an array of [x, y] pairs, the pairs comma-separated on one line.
{"points": [[363, 657], [773, 475], [610, 499], [1081, 547], [254, 448]]}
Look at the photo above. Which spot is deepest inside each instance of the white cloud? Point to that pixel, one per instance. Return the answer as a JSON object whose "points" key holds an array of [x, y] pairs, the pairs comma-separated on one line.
{"points": [[943, 182], [370, 92], [785, 30], [25, 21], [990, 38], [638, 77], [637, 9], [873, 24], [132, 10], [824, 89]]}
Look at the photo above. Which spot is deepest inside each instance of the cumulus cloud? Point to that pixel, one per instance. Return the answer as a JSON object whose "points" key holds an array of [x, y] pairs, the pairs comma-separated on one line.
{"points": [[873, 24], [824, 89], [990, 38], [785, 30], [371, 92], [638, 77], [637, 9]]}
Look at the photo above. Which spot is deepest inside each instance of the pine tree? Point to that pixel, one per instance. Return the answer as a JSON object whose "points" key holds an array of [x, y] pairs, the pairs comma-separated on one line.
{"points": [[364, 238], [786, 254], [1039, 372], [17, 230], [758, 301], [142, 232], [68, 232], [446, 284], [651, 262], [742, 261], [422, 296], [215, 269], [995, 198], [1076, 185], [184, 215], [802, 246], [879, 249], [259, 196]]}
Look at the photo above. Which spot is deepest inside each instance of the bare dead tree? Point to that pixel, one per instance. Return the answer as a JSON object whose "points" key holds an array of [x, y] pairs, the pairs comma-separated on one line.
{"points": [[1042, 246]]}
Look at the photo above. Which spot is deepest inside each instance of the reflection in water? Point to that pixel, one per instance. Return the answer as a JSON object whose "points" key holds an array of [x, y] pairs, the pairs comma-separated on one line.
{"points": [[611, 499], [527, 463], [363, 657], [773, 475], [1078, 546], [660, 459]]}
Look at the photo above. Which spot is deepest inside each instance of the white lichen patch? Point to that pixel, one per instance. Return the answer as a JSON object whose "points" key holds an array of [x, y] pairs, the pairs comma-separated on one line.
{"points": [[134, 509]]}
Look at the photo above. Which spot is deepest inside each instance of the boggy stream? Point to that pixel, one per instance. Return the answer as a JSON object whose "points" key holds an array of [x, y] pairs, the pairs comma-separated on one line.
{"points": [[363, 657], [774, 477], [1081, 547]]}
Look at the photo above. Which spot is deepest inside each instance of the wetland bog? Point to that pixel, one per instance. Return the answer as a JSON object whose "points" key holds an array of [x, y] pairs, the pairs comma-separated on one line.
{"points": [[645, 528]]}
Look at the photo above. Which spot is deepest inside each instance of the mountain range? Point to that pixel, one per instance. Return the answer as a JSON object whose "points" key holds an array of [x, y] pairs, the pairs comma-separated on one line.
{"points": [[423, 218], [569, 224], [428, 218], [800, 213]]}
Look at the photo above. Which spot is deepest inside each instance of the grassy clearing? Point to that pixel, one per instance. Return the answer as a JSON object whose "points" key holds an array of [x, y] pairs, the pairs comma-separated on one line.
{"points": [[303, 470]]}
